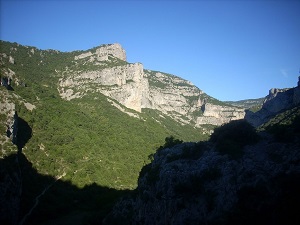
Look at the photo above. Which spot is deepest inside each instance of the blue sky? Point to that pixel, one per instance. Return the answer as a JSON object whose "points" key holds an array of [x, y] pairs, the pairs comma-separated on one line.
{"points": [[231, 50]]}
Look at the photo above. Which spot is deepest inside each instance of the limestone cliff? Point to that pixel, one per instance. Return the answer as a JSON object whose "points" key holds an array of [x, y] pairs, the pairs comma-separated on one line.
{"points": [[106, 71], [277, 101], [125, 83], [102, 52], [218, 114], [9, 120]]}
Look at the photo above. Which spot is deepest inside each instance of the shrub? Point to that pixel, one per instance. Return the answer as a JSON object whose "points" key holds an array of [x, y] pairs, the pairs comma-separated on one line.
{"points": [[230, 138], [170, 142], [285, 132], [151, 172], [189, 152]]}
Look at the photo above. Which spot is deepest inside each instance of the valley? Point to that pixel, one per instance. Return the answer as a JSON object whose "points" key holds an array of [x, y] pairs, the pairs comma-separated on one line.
{"points": [[78, 129]]}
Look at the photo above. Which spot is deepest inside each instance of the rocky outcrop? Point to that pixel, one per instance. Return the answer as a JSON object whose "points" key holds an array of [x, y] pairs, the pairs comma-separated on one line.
{"points": [[194, 184], [7, 77], [115, 50], [218, 114], [277, 101], [83, 55], [4, 57], [172, 95], [126, 84], [103, 51], [130, 86], [10, 122]]}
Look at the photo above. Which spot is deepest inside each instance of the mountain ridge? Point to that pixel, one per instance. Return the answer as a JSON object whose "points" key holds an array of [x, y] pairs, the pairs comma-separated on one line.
{"points": [[137, 88]]}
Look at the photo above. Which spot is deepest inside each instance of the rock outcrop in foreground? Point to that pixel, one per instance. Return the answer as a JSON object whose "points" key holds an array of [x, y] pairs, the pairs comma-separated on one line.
{"points": [[197, 183]]}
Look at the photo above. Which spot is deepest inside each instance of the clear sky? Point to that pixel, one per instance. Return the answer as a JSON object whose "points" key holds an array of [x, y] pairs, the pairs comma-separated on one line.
{"points": [[231, 50]]}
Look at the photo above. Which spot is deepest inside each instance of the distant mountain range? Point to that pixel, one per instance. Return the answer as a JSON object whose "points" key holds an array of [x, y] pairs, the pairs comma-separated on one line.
{"points": [[248, 103]]}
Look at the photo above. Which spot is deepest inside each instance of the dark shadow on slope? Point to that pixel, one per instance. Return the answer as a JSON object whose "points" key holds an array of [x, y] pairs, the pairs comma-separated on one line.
{"points": [[62, 202], [284, 132], [257, 205], [24, 133], [10, 88], [6, 82], [232, 137]]}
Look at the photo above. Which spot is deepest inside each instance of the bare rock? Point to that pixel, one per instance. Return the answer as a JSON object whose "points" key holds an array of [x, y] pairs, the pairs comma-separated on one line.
{"points": [[278, 100], [103, 51], [11, 60]]}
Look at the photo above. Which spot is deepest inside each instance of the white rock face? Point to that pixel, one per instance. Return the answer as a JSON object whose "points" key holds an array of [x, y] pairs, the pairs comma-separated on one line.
{"points": [[136, 88], [130, 85], [83, 55], [11, 60], [7, 109], [173, 96], [218, 115], [126, 84], [102, 53], [114, 49]]}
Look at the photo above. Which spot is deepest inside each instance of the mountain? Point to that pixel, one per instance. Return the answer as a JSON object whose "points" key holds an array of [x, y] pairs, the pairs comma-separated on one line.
{"points": [[81, 129], [87, 118]]}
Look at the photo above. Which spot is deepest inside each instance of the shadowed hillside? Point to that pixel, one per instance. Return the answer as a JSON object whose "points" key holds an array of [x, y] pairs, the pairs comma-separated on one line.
{"points": [[28, 197], [239, 176]]}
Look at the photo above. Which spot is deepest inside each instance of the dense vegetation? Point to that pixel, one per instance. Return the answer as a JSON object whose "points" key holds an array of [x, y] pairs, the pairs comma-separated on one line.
{"points": [[285, 127], [232, 137]]}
